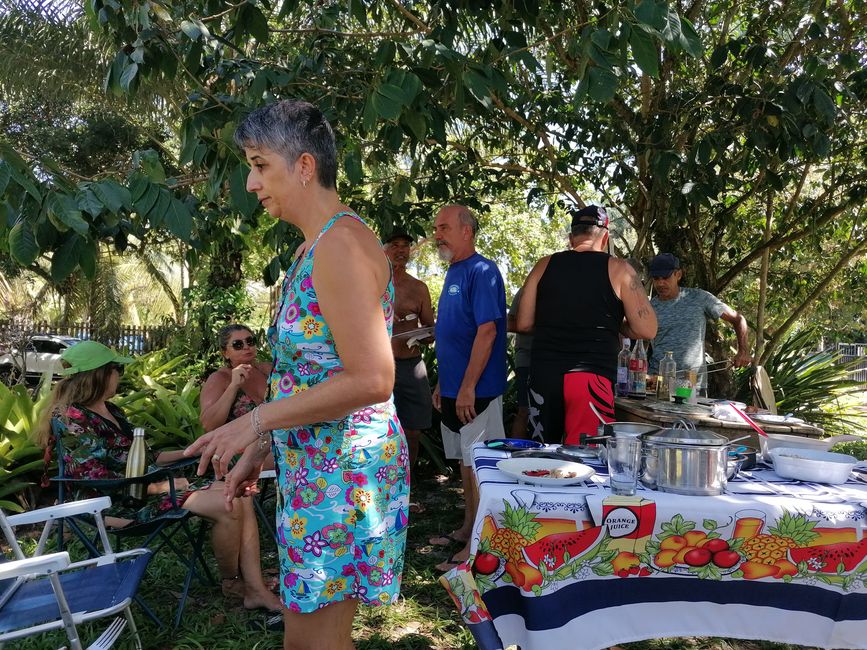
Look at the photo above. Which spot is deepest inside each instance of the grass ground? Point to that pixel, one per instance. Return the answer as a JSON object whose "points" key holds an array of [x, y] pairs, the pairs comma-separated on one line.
{"points": [[425, 619]]}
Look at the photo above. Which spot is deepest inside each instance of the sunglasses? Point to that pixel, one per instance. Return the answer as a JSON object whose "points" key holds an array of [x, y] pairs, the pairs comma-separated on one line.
{"points": [[118, 367], [238, 344]]}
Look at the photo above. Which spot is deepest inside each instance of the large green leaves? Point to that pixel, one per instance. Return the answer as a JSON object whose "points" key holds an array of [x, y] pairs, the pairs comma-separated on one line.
{"points": [[22, 243]]}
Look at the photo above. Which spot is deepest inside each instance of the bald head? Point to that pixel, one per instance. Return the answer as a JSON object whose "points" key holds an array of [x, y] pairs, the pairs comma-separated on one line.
{"points": [[455, 229]]}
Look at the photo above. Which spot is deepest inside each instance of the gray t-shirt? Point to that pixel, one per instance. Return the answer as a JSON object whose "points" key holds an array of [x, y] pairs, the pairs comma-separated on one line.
{"points": [[681, 329], [523, 342]]}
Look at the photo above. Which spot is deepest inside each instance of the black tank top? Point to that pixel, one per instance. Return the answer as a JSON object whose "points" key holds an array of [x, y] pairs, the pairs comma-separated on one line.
{"points": [[578, 315]]}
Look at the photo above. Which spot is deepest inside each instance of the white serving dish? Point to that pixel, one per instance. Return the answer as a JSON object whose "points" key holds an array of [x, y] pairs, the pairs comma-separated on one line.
{"points": [[812, 465], [515, 467], [776, 440], [770, 418]]}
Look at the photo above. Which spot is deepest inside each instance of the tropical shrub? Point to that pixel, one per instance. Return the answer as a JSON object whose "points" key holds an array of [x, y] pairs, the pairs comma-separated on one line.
{"points": [[809, 383], [21, 459]]}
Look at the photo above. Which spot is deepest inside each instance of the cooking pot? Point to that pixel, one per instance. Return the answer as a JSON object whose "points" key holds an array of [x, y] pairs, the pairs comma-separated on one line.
{"points": [[685, 460]]}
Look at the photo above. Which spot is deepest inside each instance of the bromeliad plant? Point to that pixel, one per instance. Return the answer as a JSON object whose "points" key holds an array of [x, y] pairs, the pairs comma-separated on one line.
{"points": [[811, 384]]}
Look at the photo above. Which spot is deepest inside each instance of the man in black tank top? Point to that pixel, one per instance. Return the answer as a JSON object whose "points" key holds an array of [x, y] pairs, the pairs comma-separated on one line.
{"points": [[576, 304]]}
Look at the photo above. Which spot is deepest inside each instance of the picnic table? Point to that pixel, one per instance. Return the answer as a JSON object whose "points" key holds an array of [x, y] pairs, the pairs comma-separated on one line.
{"points": [[575, 566]]}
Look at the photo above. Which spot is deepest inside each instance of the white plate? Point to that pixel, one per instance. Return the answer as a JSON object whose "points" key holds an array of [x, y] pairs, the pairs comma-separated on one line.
{"points": [[770, 418], [515, 467]]}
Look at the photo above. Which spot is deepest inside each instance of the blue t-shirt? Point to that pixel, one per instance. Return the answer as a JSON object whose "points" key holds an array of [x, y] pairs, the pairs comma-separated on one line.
{"points": [[473, 294], [681, 329]]}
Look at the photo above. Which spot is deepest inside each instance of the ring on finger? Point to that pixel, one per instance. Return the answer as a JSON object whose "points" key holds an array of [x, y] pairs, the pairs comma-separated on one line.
{"points": [[215, 457]]}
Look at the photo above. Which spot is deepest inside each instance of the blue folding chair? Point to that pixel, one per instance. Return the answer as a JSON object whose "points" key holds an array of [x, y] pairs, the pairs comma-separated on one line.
{"points": [[170, 529], [44, 593]]}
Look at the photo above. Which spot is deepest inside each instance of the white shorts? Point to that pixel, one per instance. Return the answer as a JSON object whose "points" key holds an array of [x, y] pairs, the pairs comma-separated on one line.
{"points": [[488, 425]]}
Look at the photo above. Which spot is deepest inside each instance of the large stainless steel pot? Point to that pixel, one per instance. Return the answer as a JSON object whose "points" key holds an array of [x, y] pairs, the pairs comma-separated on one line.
{"points": [[685, 460]]}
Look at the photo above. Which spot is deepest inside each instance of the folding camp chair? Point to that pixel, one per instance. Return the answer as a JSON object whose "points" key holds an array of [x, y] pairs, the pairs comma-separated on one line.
{"points": [[267, 492], [49, 592], [170, 529]]}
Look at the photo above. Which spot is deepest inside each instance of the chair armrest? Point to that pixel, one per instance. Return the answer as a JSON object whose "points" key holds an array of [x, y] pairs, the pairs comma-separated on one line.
{"points": [[180, 464], [71, 509], [41, 565]]}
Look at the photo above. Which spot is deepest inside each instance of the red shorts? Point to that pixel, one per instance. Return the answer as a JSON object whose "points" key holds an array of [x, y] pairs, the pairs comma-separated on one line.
{"points": [[580, 389]]}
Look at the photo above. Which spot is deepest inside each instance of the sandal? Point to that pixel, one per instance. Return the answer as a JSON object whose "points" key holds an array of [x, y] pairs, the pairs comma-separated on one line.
{"points": [[451, 563], [447, 540]]}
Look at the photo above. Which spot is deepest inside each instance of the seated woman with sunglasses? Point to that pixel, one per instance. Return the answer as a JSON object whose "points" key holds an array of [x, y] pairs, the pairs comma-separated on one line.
{"points": [[96, 443], [238, 387]]}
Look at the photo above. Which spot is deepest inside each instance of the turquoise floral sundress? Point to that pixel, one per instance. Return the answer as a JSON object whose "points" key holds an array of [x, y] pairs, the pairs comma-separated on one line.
{"points": [[343, 486]]}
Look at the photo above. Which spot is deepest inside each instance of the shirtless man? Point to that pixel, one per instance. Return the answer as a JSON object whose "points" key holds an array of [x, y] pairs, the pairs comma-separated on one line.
{"points": [[412, 309]]}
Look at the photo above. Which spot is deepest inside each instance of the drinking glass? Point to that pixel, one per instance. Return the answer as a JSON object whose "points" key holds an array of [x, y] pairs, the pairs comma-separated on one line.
{"points": [[624, 464]]}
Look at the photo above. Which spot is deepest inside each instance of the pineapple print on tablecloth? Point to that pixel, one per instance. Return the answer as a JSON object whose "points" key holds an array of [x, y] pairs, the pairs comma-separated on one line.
{"points": [[791, 531], [518, 528]]}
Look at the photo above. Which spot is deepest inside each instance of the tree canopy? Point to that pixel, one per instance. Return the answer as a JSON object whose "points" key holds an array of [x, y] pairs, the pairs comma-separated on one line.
{"points": [[723, 131]]}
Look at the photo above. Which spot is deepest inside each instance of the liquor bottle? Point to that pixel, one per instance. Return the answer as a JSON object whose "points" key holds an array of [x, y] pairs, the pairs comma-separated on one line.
{"points": [[668, 377], [136, 462], [638, 371], [622, 387]]}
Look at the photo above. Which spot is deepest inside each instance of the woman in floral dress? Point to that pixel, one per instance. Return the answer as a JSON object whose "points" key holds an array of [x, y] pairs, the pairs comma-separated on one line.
{"points": [[96, 442], [340, 452]]}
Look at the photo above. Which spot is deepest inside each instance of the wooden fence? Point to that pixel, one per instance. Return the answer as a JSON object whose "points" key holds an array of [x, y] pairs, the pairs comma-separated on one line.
{"points": [[131, 339]]}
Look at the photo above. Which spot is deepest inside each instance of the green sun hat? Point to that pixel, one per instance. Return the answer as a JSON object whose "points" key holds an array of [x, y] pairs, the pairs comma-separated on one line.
{"points": [[89, 355]]}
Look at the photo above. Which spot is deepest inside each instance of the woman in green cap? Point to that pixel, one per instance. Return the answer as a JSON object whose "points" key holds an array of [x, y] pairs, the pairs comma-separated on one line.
{"points": [[96, 442]]}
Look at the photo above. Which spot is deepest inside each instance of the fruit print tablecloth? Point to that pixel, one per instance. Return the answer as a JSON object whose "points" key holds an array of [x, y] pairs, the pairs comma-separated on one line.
{"points": [[578, 567]]}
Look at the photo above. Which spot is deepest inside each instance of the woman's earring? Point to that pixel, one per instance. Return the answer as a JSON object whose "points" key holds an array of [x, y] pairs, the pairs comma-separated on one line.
{"points": [[303, 182]]}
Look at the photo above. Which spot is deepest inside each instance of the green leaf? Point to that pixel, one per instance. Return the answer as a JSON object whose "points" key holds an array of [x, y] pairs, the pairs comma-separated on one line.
{"points": [[5, 175], [690, 41], [671, 29], [824, 105], [89, 202], [65, 259], [87, 258], [23, 178], [191, 30], [388, 101], [148, 200], [479, 87], [416, 123], [400, 190], [148, 161], [22, 243], [157, 214], [242, 200], [128, 76], [113, 195], [652, 13], [179, 221], [352, 165], [602, 84], [257, 24], [189, 142], [65, 210], [645, 52]]}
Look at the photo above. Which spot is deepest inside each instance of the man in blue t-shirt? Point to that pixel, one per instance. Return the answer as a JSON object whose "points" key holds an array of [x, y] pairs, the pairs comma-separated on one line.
{"points": [[471, 356], [682, 314]]}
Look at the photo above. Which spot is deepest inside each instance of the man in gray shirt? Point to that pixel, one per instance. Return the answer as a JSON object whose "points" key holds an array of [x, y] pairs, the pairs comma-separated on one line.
{"points": [[682, 314]]}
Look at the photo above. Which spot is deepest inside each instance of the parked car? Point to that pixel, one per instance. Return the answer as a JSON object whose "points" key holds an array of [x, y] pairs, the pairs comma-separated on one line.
{"points": [[40, 355]]}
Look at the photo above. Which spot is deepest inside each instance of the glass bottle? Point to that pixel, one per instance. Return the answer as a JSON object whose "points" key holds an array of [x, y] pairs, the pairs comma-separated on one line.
{"points": [[638, 371], [668, 377], [622, 387], [136, 462]]}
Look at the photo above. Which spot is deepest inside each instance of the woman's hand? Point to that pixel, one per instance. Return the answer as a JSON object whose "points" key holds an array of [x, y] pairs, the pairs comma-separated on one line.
{"points": [[239, 374], [242, 481], [220, 445]]}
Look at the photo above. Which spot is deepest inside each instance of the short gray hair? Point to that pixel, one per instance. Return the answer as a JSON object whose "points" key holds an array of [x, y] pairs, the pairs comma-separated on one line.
{"points": [[290, 128]]}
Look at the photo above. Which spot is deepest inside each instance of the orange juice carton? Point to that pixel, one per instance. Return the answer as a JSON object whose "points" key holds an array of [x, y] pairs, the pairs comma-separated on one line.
{"points": [[629, 522]]}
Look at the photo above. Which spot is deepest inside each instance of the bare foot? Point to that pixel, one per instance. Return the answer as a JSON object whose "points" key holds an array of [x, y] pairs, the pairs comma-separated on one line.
{"points": [[233, 587], [263, 600]]}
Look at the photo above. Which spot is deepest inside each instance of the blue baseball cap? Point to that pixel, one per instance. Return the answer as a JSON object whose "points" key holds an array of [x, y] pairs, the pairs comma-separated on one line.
{"points": [[663, 265]]}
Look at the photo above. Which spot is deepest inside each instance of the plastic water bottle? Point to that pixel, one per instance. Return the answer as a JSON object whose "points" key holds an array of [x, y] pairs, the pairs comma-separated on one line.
{"points": [[668, 377], [136, 462], [622, 387], [638, 371]]}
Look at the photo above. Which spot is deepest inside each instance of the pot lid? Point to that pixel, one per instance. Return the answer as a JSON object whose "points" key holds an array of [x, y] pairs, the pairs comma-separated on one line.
{"points": [[688, 435]]}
